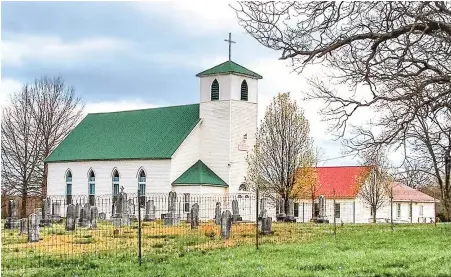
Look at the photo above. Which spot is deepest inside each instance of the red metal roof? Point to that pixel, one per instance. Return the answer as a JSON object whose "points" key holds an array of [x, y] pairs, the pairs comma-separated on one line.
{"points": [[341, 181], [404, 193]]}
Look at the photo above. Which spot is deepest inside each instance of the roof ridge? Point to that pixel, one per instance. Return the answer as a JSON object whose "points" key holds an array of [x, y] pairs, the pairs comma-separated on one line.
{"points": [[145, 109]]}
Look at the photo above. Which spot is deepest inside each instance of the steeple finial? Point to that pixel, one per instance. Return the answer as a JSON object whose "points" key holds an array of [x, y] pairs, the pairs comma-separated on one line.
{"points": [[230, 41]]}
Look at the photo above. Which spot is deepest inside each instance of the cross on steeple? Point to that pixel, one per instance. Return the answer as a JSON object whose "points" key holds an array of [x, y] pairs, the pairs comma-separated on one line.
{"points": [[230, 41]]}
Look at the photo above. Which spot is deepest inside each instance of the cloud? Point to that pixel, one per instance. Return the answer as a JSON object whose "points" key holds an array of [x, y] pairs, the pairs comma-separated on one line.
{"points": [[23, 48], [197, 17], [120, 105], [8, 87]]}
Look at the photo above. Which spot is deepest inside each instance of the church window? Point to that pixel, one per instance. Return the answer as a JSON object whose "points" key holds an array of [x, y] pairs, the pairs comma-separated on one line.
{"points": [[215, 90], [421, 210], [68, 187], [115, 182], [142, 188], [244, 91], [91, 187], [186, 198], [243, 187]]}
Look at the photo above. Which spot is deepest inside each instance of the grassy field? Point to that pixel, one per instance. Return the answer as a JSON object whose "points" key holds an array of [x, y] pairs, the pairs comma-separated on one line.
{"points": [[365, 250]]}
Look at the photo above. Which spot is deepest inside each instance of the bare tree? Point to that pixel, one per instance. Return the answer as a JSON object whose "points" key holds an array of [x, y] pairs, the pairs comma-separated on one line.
{"points": [[282, 144], [412, 174], [38, 119], [57, 110], [375, 184], [20, 148], [394, 56]]}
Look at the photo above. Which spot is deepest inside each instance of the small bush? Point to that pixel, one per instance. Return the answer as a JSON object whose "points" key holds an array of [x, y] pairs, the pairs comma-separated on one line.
{"points": [[83, 240]]}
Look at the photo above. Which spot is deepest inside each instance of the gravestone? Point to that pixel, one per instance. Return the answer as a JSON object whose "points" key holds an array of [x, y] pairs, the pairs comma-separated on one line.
{"points": [[85, 216], [46, 219], [264, 222], [194, 216], [131, 210], [33, 228], [12, 221], [226, 224], [70, 217], [38, 212], [171, 217], [150, 211], [23, 226], [290, 213], [102, 216], [281, 215], [218, 213], [322, 210], [56, 212], [94, 213], [235, 211], [121, 216]]}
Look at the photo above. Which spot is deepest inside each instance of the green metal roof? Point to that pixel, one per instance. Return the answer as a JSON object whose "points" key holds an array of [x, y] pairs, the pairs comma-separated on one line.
{"points": [[200, 174], [138, 134], [229, 67]]}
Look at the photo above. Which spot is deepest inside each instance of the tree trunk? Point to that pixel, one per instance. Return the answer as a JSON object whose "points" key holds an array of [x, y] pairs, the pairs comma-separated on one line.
{"points": [[313, 207], [287, 205], [23, 210], [44, 181], [374, 214]]}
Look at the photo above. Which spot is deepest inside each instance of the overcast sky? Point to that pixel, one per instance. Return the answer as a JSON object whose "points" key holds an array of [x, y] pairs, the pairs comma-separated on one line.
{"points": [[131, 55]]}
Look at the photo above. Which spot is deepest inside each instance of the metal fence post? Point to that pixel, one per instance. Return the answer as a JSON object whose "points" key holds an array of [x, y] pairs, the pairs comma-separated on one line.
{"points": [[411, 211], [353, 212], [139, 228], [335, 218], [391, 209], [256, 219]]}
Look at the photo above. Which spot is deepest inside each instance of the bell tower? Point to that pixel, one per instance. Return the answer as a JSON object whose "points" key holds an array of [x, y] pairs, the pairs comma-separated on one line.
{"points": [[228, 109]]}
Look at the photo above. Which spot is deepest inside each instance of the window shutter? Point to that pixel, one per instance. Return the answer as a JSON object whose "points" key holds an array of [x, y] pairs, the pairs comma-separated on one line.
{"points": [[215, 90], [244, 91]]}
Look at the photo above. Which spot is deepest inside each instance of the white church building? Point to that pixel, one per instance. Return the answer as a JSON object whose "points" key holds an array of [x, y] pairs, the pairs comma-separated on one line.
{"points": [[196, 149]]}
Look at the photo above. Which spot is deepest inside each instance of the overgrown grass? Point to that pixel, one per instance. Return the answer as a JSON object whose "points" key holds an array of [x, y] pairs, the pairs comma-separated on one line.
{"points": [[356, 250]]}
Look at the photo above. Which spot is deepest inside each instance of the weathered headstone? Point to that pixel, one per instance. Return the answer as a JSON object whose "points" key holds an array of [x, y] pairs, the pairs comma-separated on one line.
{"points": [[290, 212], [94, 213], [46, 219], [38, 213], [226, 224], [171, 217], [150, 211], [85, 216], [23, 226], [102, 216], [218, 213], [33, 228], [121, 216], [281, 215], [264, 222], [70, 217], [56, 211], [235, 211], [12, 221], [131, 210], [194, 216]]}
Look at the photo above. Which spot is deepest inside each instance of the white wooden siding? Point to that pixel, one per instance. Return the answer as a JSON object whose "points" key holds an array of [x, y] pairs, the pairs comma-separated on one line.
{"points": [[187, 154], [229, 87], [157, 176]]}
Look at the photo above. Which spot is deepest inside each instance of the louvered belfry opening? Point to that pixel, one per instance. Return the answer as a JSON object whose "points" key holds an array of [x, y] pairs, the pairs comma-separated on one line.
{"points": [[215, 90], [244, 92]]}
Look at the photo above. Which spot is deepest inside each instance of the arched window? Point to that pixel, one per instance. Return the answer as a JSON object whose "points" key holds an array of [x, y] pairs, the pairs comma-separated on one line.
{"points": [[215, 90], [68, 187], [91, 187], [244, 93], [142, 182], [243, 187], [115, 182]]}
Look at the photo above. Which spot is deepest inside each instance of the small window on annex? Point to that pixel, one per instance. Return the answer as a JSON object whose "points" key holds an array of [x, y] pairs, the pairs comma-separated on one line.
{"points": [[337, 210]]}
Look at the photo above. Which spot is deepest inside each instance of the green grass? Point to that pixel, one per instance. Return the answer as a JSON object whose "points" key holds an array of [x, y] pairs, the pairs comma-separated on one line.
{"points": [[370, 250]]}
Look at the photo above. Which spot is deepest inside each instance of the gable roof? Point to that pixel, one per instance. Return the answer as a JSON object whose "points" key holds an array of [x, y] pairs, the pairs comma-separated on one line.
{"points": [[139, 134], [341, 181], [229, 67], [404, 193], [200, 174]]}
